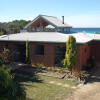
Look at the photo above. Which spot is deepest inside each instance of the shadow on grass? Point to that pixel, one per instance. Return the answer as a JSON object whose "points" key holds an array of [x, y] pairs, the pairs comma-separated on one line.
{"points": [[29, 99], [24, 74]]}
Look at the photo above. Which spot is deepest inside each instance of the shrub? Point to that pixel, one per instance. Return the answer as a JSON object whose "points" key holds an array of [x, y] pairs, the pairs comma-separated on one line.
{"points": [[1, 60], [62, 70], [40, 65], [27, 51], [50, 69], [6, 55], [9, 90], [83, 75], [6, 50], [61, 64], [71, 53], [16, 92], [97, 33]]}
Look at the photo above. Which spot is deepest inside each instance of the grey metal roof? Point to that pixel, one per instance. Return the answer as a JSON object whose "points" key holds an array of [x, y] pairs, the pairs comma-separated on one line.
{"points": [[52, 37], [54, 21]]}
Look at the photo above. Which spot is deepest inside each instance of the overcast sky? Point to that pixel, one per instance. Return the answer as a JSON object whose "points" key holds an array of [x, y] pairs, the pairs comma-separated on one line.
{"points": [[78, 13]]}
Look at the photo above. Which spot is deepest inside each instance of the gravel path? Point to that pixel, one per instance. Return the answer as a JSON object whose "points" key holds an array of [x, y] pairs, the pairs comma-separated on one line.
{"points": [[90, 91]]}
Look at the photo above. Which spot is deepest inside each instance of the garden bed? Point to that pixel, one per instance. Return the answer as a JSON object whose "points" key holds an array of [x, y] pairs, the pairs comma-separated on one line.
{"points": [[61, 73]]}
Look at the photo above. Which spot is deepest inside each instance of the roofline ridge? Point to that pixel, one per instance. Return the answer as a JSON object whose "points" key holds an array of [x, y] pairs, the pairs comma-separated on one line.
{"points": [[47, 16], [46, 19]]}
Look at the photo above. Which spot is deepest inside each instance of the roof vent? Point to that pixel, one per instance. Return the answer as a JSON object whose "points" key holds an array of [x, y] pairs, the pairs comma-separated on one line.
{"points": [[63, 19]]}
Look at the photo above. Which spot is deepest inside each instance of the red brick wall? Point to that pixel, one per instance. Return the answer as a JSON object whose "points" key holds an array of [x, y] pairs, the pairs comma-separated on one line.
{"points": [[10, 47], [92, 49], [95, 50], [83, 55], [48, 58]]}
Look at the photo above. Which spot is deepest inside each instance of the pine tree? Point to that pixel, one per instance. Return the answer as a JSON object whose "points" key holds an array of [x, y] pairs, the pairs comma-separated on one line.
{"points": [[70, 60]]}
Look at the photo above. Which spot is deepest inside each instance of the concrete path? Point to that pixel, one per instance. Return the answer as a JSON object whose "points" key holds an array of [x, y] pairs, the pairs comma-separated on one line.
{"points": [[90, 91]]}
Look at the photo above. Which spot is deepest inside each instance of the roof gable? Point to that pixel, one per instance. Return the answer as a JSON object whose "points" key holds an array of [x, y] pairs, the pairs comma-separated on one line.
{"points": [[46, 20]]}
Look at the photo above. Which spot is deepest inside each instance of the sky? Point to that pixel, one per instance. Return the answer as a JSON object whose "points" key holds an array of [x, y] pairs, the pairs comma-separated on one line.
{"points": [[78, 13]]}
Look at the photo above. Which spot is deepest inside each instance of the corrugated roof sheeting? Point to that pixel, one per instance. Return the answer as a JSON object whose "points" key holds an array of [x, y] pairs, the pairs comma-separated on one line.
{"points": [[54, 37]]}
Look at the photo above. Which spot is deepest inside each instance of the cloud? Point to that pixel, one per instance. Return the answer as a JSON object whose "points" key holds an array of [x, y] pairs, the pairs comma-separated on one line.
{"points": [[84, 20]]}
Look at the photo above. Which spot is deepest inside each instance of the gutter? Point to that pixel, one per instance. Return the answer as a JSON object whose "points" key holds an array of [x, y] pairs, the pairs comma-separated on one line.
{"points": [[42, 41]]}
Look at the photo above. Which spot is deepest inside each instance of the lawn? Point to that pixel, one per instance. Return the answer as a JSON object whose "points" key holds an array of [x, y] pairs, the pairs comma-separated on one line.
{"points": [[39, 87]]}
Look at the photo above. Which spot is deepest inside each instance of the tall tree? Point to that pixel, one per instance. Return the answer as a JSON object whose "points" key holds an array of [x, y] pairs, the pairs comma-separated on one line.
{"points": [[70, 60]]}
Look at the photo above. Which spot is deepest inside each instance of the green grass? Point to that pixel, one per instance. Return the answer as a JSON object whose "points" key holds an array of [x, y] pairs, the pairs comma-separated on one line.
{"points": [[47, 78], [45, 91], [38, 87]]}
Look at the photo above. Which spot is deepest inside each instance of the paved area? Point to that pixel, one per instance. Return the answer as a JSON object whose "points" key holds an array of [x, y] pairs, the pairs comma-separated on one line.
{"points": [[90, 91]]}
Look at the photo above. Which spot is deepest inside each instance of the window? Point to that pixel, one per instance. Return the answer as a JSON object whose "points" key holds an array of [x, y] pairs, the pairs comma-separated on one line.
{"points": [[65, 29], [6, 45], [39, 50]]}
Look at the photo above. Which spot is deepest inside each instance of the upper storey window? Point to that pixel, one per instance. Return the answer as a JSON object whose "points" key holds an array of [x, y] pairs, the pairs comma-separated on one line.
{"points": [[65, 30]]}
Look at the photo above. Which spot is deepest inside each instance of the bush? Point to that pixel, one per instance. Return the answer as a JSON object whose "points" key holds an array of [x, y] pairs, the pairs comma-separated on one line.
{"points": [[9, 90], [6, 50], [1, 60], [40, 65], [52, 69], [16, 92], [83, 75], [71, 53], [62, 70], [6, 55], [27, 52], [60, 64]]}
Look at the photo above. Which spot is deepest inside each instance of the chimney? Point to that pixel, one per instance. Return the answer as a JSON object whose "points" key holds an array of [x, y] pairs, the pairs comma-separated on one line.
{"points": [[63, 19]]}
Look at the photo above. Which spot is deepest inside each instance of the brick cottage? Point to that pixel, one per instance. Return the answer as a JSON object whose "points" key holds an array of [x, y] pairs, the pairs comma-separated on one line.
{"points": [[47, 36]]}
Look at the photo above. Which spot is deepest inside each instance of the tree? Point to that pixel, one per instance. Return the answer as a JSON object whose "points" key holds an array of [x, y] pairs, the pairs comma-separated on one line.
{"points": [[70, 60], [10, 90], [12, 27], [27, 51]]}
